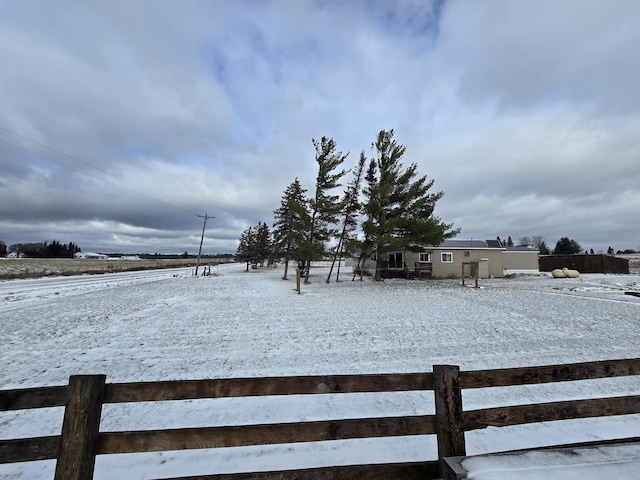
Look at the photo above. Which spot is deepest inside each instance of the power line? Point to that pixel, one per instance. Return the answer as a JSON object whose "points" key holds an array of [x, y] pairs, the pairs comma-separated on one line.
{"points": [[163, 199]]}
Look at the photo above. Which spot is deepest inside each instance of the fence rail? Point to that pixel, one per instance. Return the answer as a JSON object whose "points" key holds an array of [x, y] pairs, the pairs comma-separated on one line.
{"points": [[75, 449]]}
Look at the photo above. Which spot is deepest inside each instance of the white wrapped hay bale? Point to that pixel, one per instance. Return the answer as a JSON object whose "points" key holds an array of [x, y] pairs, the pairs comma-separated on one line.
{"points": [[565, 273]]}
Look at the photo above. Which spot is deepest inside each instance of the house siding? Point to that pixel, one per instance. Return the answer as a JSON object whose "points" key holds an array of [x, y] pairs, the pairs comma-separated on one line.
{"points": [[518, 261], [490, 268], [491, 261]]}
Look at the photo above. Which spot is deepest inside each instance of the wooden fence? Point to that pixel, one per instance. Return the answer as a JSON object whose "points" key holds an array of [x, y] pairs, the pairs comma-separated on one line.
{"points": [[584, 263], [81, 439], [454, 421]]}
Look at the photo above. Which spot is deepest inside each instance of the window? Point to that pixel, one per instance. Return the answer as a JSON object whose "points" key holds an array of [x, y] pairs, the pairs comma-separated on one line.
{"points": [[425, 257], [447, 257]]}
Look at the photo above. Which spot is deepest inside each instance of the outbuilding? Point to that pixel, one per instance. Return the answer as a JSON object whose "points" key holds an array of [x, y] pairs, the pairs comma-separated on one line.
{"points": [[90, 256]]}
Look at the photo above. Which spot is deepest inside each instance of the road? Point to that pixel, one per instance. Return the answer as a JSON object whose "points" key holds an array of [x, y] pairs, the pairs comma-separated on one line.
{"points": [[14, 293]]}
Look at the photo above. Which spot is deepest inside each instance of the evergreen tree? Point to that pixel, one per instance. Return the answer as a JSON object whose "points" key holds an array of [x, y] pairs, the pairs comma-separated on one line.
{"points": [[255, 245], [287, 223], [324, 206], [367, 245], [351, 205], [263, 247], [300, 232], [543, 248], [509, 242], [3, 249], [246, 247], [567, 246], [55, 249], [399, 207], [73, 248], [610, 251]]}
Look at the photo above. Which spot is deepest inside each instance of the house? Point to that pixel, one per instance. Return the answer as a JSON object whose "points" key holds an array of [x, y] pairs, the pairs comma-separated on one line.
{"points": [[482, 258], [90, 256]]}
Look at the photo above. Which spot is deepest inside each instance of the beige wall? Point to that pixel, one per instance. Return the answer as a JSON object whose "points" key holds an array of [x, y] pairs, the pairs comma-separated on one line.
{"points": [[520, 262], [499, 262], [410, 258], [492, 267]]}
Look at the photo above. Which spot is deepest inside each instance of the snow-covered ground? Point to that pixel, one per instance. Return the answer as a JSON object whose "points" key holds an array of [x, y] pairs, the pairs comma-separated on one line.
{"points": [[167, 324]]}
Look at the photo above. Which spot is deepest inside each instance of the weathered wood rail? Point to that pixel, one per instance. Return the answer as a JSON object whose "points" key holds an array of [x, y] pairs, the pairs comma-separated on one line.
{"points": [[454, 421], [81, 439]]}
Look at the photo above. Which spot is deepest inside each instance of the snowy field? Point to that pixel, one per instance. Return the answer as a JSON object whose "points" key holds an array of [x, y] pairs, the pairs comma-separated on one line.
{"points": [[16, 268], [167, 324]]}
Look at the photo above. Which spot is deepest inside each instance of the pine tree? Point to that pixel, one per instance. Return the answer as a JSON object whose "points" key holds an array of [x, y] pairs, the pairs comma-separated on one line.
{"points": [[287, 223], [543, 248], [398, 206], [351, 205], [263, 244], [246, 247], [367, 244], [324, 206], [567, 246]]}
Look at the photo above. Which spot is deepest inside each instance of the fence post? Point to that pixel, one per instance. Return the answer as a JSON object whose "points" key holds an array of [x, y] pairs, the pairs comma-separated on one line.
{"points": [[80, 427], [449, 416]]}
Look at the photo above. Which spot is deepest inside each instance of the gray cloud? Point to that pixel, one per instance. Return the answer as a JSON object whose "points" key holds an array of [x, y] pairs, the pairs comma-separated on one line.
{"points": [[525, 114]]}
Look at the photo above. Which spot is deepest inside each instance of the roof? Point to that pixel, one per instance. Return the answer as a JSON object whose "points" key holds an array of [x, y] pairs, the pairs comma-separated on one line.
{"points": [[482, 244], [465, 244], [522, 248]]}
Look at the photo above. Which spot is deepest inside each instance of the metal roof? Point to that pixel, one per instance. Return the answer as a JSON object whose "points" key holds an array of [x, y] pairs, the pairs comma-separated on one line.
{"points": [[464, 244], [522, 248], [482, 244]]}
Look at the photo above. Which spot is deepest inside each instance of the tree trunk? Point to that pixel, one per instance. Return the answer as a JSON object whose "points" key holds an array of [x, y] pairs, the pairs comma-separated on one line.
{"points": [[307, 268], [378, 277], [333, 262], [338, 269]]}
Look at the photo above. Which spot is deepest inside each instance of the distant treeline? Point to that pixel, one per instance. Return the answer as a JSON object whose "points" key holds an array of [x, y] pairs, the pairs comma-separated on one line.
{"points": [[55, 249], [46, 249], [170, 256]]}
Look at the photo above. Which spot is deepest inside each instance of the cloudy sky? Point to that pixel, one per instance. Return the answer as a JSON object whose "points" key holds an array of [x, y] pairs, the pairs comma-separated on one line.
{"points": [[120, 121]]}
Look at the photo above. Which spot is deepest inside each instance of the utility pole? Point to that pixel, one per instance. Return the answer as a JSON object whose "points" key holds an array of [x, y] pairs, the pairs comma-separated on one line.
{"points": [[205, 217]]}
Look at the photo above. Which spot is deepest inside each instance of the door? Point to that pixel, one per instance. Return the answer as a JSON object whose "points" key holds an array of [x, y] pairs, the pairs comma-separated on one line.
{"points": [[396, 260]]}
